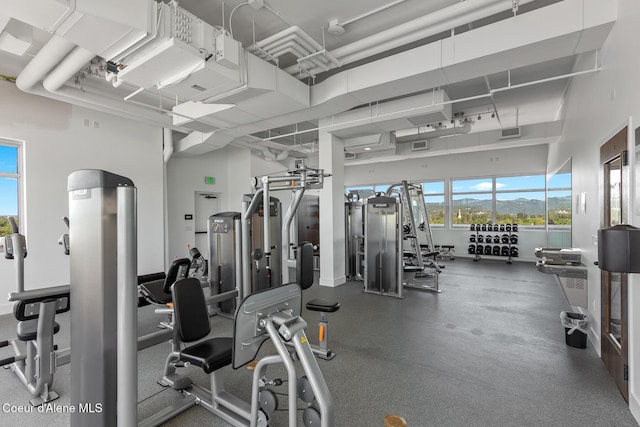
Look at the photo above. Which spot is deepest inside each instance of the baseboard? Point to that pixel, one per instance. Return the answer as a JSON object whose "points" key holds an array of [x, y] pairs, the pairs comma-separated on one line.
{"points": [[332, 283], [6, 308], [634, 406], [594, 338]]}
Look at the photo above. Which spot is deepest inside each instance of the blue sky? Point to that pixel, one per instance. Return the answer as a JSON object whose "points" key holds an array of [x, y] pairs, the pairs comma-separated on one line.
{"points": [[8, 186]]}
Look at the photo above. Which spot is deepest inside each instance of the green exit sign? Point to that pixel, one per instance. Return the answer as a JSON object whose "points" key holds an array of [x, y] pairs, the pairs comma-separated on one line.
{"points": [[209, 180]]}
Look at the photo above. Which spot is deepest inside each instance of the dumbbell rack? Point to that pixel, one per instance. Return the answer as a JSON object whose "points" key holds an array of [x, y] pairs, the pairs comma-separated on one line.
{"points": [[506, 241]]}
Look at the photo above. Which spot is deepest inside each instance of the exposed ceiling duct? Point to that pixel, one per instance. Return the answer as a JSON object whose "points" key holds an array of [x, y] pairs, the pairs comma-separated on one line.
{"points": [[420, 28], [206, 85], [436, 133]]}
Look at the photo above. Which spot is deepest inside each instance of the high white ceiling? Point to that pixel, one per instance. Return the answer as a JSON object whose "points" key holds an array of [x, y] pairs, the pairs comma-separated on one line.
{"points": [[527, 105]]}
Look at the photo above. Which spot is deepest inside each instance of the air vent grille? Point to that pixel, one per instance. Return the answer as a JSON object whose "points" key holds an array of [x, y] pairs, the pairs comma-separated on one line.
{"points": [[509, 133], [419, 146]]}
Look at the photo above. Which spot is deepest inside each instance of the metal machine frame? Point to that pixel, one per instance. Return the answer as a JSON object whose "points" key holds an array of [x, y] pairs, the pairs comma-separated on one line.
{"points": [[35, 358], [104, 371], [415, 275], [382, 247]]}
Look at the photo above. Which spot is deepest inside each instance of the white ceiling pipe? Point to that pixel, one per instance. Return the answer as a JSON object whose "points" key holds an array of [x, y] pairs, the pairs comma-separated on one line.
{"points": [[105, 104], [420, 28], [294, 48], [286, 40], [277, 36], [266, 153], [47, 58], [274, 39], [371, 12], [69, 67]]}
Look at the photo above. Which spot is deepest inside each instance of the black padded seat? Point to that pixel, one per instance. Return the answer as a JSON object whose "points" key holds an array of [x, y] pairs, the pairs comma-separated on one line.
{"points": [[412, 268], [155, 291], [27, 330], [323, 305], [447, 246], [210, 355]]}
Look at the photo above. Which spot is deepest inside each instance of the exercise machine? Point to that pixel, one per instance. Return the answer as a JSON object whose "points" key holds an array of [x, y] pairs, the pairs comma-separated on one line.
{"points": [[382, 246], [224, 236], [102, 212], [354, 230], [421, 254], [36, 358], [269, 314]]}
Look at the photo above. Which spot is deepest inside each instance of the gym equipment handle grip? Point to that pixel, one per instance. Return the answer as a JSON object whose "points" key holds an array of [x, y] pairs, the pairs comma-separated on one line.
{"points": [[7, 361], [12, 223], [4, 343]]}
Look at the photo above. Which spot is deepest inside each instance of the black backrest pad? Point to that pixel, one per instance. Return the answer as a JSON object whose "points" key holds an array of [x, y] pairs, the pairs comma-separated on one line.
{"points": [[177, 266], [22, 309], [304, 265], [191, 316]]}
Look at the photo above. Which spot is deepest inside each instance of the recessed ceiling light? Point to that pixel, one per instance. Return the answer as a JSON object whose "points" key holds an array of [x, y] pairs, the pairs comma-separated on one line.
{"points": [[367, 148]]}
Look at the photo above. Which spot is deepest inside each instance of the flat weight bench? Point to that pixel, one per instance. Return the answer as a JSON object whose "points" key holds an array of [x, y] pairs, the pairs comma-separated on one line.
{"points": [[304, 276], [446, 250]]}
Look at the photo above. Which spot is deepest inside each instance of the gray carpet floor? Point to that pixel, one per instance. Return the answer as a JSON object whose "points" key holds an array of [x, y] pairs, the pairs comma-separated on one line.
{"points": [[488, 351]]}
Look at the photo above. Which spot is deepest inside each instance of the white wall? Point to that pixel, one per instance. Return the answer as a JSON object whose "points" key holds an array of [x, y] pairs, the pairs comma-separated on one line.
{"points": [[523, 160], [232, 168], [598, 106], [57, 142], [185, 176]]}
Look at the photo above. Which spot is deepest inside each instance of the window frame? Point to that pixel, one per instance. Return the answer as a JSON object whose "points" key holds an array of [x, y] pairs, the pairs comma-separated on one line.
{"points": [[494, 194], [18, 176], [444, 199], [555, 189]]}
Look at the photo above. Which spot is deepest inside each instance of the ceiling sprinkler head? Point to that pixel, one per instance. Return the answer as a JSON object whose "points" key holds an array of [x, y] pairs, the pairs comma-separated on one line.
{"points": [[335, 29]]}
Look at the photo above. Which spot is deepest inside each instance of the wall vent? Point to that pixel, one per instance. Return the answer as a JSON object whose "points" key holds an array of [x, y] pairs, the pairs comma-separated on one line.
{"points": [[509, 133], [419, 145], [350, 156]]}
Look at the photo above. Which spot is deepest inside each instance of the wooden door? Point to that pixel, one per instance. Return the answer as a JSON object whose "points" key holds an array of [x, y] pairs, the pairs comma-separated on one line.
{"points": [[613, 332]]}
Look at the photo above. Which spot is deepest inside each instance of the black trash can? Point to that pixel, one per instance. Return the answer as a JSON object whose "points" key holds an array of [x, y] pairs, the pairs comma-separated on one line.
{"points": [[575, 329]]}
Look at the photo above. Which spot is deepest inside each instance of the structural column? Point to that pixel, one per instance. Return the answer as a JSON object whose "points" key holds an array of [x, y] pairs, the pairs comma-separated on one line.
{"points": [[332, 232]]}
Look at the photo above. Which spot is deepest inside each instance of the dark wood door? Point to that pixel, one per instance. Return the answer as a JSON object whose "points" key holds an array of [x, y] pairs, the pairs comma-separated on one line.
{"points": [[613, 332]]}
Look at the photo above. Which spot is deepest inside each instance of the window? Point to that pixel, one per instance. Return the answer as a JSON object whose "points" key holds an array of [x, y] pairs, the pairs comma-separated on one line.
{"points": [[559, 199], [472, 201], [499, 200], [434, 199], [9, 184], [521, 200]]}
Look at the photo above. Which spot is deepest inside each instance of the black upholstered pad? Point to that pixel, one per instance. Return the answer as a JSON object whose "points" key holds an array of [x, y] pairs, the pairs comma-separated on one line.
{"points": [[155, 292], [323, 305], [304, 265], [27, 330], [210, 355], [412, 268]]}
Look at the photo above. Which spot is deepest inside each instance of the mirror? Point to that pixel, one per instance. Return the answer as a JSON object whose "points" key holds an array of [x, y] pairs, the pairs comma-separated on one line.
{"points": [[559, 212]]}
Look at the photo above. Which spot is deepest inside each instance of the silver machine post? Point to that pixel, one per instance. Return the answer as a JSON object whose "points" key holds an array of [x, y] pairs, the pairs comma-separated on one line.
{"points": [[102, 232]]}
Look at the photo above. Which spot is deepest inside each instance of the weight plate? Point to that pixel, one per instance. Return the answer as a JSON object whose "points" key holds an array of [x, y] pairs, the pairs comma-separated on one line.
{"points": [[305, 393], [311, 417], [268, 401]]}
